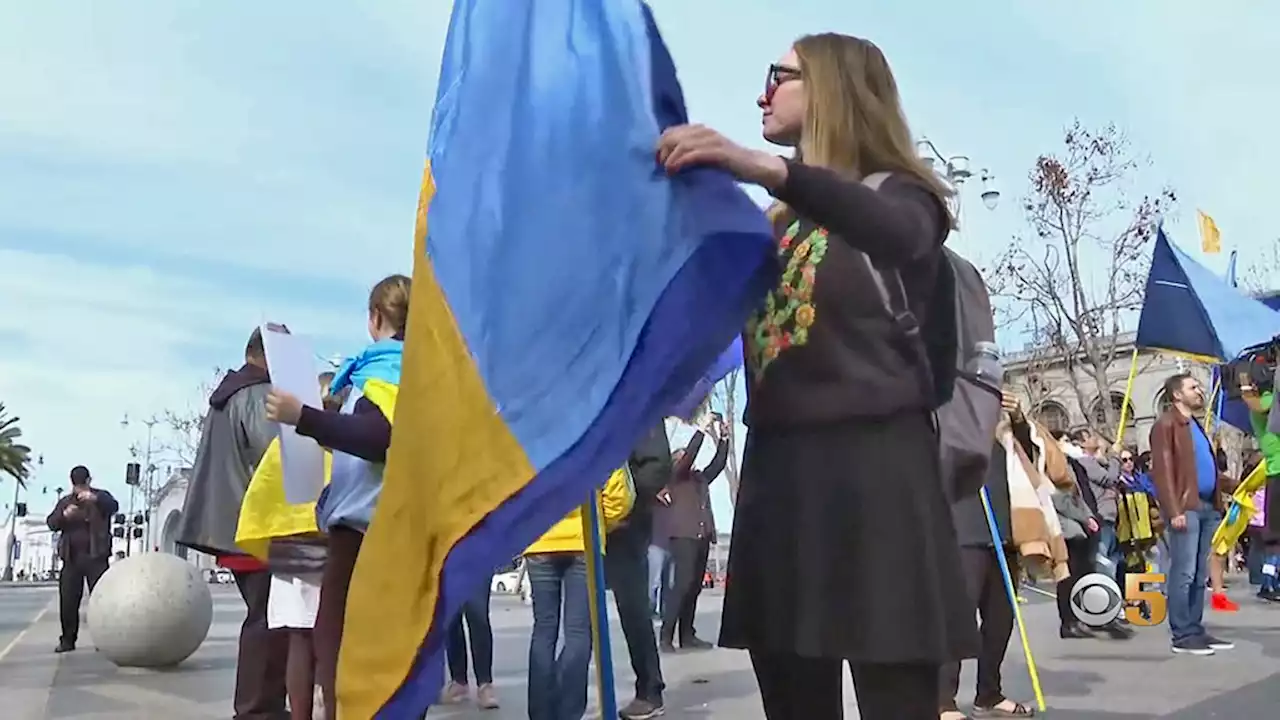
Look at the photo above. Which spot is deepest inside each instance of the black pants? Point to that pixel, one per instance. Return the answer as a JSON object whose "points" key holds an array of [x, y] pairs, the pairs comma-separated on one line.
{"points": [[1081, 560], [263, 656], [985, 585], [475, 612], [681, 602], [626, 569], [794, 687], [77, 572]]}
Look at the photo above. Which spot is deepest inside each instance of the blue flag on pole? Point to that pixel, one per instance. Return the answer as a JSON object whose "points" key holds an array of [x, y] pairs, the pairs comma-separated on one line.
{"points": [[567, 293]]}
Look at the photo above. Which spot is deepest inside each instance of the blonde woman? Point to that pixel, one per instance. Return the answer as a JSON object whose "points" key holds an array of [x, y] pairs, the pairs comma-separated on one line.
{"points": [[841, 455]]}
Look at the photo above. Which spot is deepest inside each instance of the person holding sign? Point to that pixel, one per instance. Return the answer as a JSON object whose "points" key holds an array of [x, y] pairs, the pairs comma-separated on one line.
{"points": [[359, 436], [233, 438]]}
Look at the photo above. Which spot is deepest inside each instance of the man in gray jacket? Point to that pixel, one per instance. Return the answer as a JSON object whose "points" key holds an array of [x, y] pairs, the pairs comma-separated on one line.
{"points": [[233, 438]]}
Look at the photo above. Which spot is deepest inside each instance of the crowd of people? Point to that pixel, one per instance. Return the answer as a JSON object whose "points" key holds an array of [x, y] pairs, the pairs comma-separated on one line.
{"points": [[839, 465]]}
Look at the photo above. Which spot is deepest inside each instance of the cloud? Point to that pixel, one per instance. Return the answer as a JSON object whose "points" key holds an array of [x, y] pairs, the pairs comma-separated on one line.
{"points": [[86, 344], [200, 133]]}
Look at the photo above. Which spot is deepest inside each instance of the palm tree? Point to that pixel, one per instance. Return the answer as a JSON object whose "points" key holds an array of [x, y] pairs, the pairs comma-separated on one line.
{"points": [[15, 458]]}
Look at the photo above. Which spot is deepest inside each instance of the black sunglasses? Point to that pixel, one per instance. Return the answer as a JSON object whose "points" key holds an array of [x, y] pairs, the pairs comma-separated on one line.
{"points": [[779, 74]]}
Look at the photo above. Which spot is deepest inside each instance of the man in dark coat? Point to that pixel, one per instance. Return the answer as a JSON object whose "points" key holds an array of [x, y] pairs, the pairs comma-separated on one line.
{"points": [[233, 438], [83, 521], [626, 570], [692, 528]]}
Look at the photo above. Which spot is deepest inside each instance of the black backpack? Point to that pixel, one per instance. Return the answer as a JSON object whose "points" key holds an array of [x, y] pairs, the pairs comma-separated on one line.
{"points": [[966, 394]]}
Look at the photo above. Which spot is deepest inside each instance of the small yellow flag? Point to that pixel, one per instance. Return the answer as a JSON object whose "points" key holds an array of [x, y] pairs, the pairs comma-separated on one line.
{"points": [[1210, 238]]}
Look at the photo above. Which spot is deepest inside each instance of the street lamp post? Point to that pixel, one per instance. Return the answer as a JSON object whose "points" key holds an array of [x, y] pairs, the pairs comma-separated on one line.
{"points": [[148, 475], [955, 171]]}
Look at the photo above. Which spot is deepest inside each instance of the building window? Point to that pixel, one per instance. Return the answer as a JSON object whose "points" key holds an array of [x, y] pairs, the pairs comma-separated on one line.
{"points": [[1053, 416], [1163, 403], [1099, 413]]}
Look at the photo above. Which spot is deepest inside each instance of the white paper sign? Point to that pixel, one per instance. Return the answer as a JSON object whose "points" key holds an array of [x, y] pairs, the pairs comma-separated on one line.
{"points": [[292, 365]]}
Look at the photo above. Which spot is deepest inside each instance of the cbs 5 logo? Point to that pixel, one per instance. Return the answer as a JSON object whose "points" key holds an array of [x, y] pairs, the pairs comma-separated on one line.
{"points": [[1096, 601]]}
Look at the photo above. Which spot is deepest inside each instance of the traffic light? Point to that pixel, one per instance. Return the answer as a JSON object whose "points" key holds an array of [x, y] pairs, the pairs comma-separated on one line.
{"points": [[132, 473]]}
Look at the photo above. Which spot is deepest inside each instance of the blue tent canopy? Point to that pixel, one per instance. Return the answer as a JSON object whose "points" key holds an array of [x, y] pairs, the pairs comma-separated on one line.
{"points": [[1190, 310]]}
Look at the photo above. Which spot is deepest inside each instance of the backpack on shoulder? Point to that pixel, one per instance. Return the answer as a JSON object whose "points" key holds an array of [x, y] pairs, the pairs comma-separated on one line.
{"points": [[964, 366]]}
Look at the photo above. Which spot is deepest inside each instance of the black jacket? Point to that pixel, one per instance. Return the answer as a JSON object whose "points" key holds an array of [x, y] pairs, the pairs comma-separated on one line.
{"points": [[88, 535], [651, 468]]}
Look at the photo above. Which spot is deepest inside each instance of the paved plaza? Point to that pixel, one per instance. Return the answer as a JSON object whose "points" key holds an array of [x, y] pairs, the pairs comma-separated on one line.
{"points": [[1082, 679]]}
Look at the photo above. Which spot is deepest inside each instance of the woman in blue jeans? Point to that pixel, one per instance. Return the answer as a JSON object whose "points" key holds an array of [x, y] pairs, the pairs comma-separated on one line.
{"points": [[475, 612], [556, 566]]}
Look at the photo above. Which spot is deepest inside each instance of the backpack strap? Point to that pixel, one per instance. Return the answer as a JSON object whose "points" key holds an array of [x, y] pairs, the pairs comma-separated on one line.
{"points": [[893, 294]]}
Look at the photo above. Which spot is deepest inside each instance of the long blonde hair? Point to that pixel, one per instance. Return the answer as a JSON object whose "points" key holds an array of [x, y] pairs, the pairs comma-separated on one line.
{"points": [[854, 122]]}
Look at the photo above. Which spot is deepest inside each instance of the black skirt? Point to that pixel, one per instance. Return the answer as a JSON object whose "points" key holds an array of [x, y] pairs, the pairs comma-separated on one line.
{"points": [[843, 547]]}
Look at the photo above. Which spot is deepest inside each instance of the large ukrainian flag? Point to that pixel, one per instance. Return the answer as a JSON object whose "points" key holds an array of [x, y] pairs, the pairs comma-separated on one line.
{"points": [[567, 295]]}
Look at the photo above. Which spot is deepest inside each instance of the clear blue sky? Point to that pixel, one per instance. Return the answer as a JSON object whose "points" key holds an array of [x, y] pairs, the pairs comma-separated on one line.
{"points": [[173, 173]]}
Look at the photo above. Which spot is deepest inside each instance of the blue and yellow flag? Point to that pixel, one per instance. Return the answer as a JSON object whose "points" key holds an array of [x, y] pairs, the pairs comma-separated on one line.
{"points": [[567, 295]]}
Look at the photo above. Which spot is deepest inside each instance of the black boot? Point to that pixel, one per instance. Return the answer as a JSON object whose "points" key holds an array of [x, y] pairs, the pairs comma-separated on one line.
{"points": [[1116, 631], [1074, 631]]}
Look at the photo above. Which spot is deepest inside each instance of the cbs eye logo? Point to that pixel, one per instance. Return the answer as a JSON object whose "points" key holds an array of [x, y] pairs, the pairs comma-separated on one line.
{"points": [[1096, 601]]}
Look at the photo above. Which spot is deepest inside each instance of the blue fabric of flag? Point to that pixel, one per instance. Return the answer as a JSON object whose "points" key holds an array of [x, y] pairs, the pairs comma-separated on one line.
{"points": [[726, 363], [1188, 309], [569, 98]]}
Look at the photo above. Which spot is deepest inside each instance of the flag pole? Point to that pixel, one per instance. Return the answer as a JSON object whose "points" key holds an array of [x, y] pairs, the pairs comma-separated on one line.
{"points": [[1128, 393], [1013, 599], [594, 546]]}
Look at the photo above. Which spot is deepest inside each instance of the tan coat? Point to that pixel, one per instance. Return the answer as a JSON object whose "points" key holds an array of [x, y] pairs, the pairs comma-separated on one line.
{"points": [[1037, 533]]}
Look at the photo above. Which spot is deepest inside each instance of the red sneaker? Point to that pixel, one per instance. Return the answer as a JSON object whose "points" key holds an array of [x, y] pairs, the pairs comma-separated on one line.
{"points": [[1221, 603]]}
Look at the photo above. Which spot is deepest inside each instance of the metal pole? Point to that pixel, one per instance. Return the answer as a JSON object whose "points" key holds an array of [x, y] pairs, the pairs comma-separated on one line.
{"points": [[148, 482], [13, 533]]}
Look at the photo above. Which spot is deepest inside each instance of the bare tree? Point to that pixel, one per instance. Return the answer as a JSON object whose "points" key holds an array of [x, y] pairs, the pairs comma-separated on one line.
{"points": [[1082, 268], [1031, 364], [726, 394], [181, 440], [1262, 274]]}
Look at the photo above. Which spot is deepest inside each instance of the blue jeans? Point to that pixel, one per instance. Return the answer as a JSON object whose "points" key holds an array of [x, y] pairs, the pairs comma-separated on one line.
{"points": [[662, 574], [558, 685], [1109, 548], [1188, 571]]}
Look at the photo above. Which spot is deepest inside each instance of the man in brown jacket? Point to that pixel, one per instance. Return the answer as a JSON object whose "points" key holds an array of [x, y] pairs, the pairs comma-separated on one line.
{"points": [[1189, 490]]}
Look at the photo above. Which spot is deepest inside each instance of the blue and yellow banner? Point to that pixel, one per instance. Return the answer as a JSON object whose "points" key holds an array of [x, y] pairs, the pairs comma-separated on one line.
{"points": [[566, 295]]}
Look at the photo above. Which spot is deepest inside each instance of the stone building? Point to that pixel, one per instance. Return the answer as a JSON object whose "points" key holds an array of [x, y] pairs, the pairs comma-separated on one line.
{"points": [[1041, 379]]}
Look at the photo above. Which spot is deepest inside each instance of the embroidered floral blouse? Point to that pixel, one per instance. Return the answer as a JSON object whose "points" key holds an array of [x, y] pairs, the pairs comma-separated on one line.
{"points": [[822, 347]]}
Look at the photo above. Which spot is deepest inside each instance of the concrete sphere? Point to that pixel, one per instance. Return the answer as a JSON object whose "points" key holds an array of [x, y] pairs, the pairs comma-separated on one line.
{"points": [[151, 611]]}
